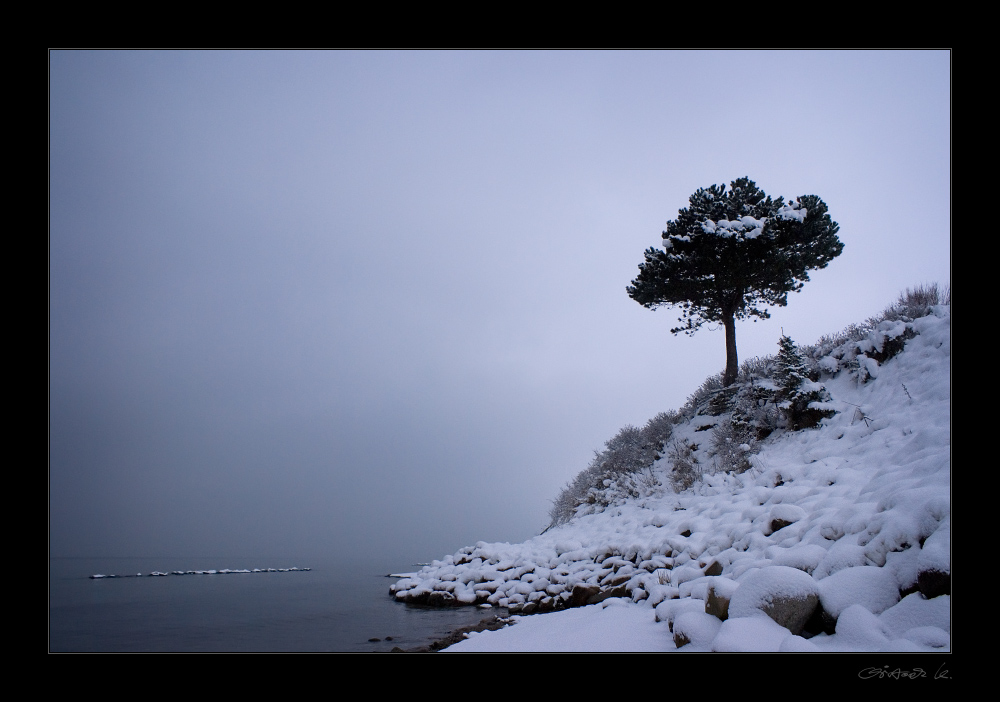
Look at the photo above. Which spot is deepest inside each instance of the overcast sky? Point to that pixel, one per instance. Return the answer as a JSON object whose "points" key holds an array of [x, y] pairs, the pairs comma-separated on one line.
{"points": [[308, 303]]}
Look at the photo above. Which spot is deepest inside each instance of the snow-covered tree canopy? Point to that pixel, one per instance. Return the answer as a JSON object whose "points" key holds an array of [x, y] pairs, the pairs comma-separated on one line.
{"points": [[731, 253]]}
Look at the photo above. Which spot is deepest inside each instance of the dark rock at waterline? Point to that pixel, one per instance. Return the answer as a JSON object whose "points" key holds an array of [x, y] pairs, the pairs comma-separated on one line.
{"points": [[580, 596], [441, 598]]}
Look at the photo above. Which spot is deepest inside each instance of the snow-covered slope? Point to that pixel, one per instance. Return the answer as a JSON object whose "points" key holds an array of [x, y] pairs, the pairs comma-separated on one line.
{"points": [[849, 520]]}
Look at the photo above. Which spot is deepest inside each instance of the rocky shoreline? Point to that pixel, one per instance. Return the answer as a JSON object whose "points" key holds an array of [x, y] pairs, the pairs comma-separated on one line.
{"points": [[488, 624]]}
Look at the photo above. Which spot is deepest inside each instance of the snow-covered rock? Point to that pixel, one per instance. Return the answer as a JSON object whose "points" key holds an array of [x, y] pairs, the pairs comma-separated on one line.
{"points": [[873, 588], [786, 595]]}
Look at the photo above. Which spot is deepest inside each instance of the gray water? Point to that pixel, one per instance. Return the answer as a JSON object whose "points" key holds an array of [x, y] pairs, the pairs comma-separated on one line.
{"points": [[331, 608]]}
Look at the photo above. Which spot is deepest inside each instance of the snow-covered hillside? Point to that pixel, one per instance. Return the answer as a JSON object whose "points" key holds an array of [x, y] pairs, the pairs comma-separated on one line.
{"points": [[836, 539]]}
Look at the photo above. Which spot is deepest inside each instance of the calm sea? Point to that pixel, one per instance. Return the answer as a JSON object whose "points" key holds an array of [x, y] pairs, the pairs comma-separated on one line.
{"points": [[328, 608]]}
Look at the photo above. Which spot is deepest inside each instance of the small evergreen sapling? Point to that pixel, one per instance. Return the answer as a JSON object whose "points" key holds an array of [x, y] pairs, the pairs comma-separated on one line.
{"points": [[798, 396]]}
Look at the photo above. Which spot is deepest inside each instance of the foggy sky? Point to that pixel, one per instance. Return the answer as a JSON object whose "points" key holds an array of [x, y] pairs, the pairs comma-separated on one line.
{"points": [[330, 302]]}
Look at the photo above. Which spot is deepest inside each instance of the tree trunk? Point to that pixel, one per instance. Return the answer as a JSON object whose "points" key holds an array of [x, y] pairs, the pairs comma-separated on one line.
{"points": [[732, 363]]}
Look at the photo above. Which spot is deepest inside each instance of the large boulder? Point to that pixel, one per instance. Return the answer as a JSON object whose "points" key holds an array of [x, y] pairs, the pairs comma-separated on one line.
{"points": [[582, 595], [786, 595], [873, 588], [442, 598], [934, 563]]}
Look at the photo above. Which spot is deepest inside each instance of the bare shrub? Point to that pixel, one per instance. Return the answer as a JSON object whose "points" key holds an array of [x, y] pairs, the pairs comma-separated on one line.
{"points": [[756, 367], [755, 413], [624, 452], [915, 302], [658, 431], [564, 506], [685, 469], [709, 387], [620, 471], [732, 446]]}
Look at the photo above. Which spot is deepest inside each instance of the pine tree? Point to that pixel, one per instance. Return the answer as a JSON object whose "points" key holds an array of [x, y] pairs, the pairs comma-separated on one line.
{"points": [[731, 253]]}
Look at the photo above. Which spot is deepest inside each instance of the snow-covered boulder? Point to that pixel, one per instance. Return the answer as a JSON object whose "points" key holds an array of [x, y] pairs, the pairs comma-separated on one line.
{"points": [[697, 628], [783, 515], [750, 634], [915, 611], [786, 595], [873, 588], [859, 629]]}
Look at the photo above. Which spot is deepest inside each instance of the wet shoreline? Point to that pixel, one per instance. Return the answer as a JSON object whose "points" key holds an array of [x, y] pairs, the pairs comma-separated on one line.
{"points": [[491, 623]]}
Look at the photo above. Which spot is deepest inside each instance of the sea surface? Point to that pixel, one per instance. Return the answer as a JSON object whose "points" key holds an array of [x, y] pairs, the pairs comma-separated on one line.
{"points": [[331, 608]]}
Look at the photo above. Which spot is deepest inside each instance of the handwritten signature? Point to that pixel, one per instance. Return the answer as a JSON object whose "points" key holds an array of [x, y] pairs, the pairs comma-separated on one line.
{"points": [[885, 671]]}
